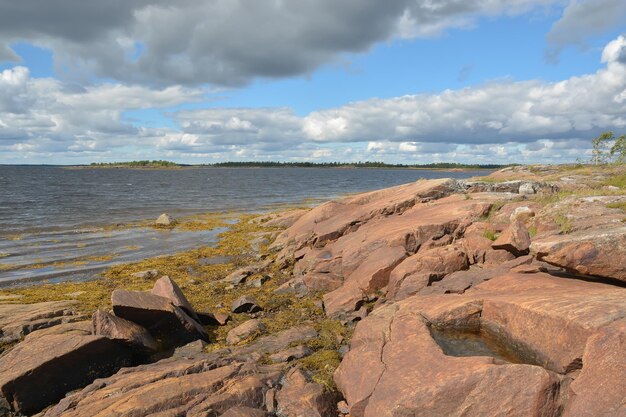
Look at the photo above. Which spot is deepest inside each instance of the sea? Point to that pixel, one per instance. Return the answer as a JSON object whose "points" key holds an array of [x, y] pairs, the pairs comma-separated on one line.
{"points": [[55, 222]]}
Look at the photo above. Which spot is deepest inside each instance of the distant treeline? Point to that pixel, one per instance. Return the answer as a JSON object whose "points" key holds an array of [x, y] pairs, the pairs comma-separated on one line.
{"points": [[145, 163], [366, 164], [270, 164]]}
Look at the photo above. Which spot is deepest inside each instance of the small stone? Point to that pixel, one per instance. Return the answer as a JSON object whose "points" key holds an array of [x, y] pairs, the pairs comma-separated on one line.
{"points": [[213, 319], [527, 189], [151, 273], [165, 220], [343, 350], [522, 214], [342, 407], [258, 283], [245, 304], [244, 331]]}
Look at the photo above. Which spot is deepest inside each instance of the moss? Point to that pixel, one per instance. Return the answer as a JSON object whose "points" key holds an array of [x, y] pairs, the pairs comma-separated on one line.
{"points": [[493, 210], [618, 205], [201, 284], [322, 364], [490, 234], [564, 222], [532, 231]]}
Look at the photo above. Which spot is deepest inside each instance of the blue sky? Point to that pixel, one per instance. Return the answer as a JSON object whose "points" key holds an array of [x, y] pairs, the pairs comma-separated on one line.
{"points": [[476, 81]]}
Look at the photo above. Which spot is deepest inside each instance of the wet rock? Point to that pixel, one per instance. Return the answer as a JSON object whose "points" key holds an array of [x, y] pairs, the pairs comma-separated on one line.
{"points": [[514, 239], [36, 374], [148, 274], [18, 320], [165, 220], [166, 287], [167, 322], [245, 304], [213, 319], [117, 328], [599, 252], [296, 352], [244, 331], [299, 397]]}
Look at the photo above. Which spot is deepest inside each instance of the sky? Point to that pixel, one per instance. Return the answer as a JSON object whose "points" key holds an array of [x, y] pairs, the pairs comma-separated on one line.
{"points": [[398, 81]]}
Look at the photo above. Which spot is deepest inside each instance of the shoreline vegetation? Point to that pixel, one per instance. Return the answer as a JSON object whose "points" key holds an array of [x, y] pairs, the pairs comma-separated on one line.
{"points": [[265, 258], [160, 164]]}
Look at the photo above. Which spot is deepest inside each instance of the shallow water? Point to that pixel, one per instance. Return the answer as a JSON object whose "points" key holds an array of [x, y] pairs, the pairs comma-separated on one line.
{"points": [[461, 343], [53, 216]]}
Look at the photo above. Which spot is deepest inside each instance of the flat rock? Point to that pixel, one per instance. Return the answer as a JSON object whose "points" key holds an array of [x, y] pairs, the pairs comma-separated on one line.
{"points": [[81, 328], [296, 352], [148, 274], [245, 304], [546, 321], [166, 287], [187, 385], [40, 372], [244, 331], [18, 320], [117, 328], [168, 323]]}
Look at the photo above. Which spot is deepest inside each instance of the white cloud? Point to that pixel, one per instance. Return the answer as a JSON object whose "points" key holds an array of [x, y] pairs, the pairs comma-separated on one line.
{"points": [[501, 121]]}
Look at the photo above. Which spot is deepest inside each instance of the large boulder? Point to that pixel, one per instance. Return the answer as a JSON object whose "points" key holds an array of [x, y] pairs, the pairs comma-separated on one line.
{"points": [[166, 287], [422, 269], [117, 328], [169, 324], [38, 373], [598, 252], [515, 239]]}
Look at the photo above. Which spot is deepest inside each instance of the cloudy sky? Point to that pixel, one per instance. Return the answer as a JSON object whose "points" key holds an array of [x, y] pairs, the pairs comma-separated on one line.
{"points": [[410, 81]]}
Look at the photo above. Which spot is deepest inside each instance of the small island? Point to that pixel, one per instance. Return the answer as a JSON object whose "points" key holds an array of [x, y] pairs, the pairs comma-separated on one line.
{"points": [[161, 164]]}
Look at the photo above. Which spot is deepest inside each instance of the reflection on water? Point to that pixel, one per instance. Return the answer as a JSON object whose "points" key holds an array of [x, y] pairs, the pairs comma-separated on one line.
{"points": [[50, 216], [82, 254]]}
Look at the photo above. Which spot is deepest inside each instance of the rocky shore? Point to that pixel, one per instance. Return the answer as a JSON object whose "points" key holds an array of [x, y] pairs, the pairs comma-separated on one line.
{"points": [[500, 296]]}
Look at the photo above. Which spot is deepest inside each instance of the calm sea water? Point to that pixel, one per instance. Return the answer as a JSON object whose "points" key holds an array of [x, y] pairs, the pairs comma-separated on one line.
{"points": [[54, 212]]}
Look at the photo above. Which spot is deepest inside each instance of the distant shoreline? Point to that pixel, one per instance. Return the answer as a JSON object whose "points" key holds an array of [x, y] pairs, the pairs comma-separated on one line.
{"points": [[165, 165]]}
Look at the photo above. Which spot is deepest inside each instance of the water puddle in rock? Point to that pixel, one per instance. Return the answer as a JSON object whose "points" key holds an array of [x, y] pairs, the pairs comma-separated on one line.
{"points": [[460, 343]]}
